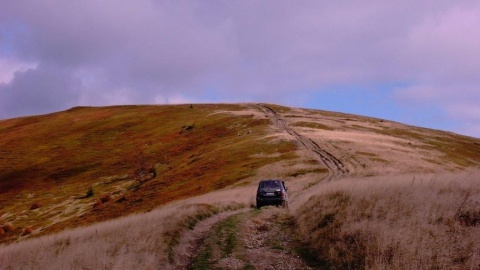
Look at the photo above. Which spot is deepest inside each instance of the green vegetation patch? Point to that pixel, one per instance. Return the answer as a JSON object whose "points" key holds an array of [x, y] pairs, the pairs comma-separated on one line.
{"points": [[221, 243]]}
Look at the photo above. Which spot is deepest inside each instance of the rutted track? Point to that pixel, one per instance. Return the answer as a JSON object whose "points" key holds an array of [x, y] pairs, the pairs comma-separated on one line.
{"points": [[191, 241], [255, 229], [253, 239], [335, 166]]}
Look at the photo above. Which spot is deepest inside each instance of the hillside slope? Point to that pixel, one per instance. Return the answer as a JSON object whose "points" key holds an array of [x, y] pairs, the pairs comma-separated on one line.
{"points": [[146, 156], [53, 160]]}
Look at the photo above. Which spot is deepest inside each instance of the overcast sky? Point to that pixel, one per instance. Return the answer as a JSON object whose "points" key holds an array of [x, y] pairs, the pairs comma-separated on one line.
{"points": [[416, 62]]}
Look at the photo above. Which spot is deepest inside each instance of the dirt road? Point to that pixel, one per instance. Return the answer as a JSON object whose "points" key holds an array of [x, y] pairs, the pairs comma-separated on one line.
{"points": [[334, 165], [251, 238]]}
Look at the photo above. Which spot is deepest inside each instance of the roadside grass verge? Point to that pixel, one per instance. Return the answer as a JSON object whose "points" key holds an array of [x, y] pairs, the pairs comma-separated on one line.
{"points": [[422, 222]]}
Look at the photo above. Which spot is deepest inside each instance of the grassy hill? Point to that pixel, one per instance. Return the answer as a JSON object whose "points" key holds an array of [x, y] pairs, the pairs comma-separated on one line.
{"points": [[54, 169], [53, 160]]}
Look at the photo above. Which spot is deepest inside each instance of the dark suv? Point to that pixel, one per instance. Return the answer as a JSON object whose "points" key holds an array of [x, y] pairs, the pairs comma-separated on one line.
{"points": [[272, 192]]}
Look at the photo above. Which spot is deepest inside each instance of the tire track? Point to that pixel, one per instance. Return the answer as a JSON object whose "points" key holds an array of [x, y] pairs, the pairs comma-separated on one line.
{"points": [[256, 229], [254, 239], [191, 241], [335, 166]]}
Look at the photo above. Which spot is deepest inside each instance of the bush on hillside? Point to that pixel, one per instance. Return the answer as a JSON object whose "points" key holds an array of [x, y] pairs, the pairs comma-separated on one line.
{"points": [[143, 170], [27, 230], [98, 203], [35, 205], [89, 193], [105, 198], [8, 227]]}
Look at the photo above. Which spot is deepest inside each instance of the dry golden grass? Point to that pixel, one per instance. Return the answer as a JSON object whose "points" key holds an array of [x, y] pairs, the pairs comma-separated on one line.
{"points": [[405, 222], [142, 241], [151, 156], [370, 146]]}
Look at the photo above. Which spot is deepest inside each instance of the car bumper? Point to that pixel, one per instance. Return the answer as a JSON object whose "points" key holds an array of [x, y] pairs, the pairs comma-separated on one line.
{"points": [[270, 200]]}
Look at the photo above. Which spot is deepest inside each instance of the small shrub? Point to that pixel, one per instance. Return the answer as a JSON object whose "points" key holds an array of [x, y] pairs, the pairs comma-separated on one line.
{"points": [[35, 205], [8, 227], [90, 192], [105, 198], [122, 199], [27, 230], [144, 170], [187, 128], [97, 203], [1, 231], [263, 228]]}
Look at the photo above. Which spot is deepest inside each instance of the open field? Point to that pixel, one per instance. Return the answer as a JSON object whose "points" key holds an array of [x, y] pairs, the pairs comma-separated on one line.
{"points": [[124, 187]]}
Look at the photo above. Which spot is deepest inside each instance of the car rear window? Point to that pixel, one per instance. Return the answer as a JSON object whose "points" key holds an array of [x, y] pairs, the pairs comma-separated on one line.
{"points": [[270, 184]]}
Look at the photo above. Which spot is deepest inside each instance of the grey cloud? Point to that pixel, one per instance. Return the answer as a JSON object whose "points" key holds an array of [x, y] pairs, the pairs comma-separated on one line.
{"points": [[38, 91], [141, 51]]}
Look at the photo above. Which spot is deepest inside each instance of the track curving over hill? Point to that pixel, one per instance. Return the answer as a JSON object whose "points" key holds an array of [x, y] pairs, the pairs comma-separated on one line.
{"points": [[256, 228], [335, 166]]}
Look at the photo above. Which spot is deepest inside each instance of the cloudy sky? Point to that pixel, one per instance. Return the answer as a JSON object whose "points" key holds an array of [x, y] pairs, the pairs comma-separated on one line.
{"points": [[416, 62]]}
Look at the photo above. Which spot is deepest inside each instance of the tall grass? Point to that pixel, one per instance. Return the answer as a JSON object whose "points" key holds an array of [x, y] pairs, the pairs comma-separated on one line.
{"points": [[142, 241], [407, 222]]}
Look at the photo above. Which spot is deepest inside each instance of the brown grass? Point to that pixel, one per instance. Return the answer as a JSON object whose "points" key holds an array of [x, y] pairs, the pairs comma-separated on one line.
{"points": [[429, 222], [148, 156], [142, 241], [54, 158]]}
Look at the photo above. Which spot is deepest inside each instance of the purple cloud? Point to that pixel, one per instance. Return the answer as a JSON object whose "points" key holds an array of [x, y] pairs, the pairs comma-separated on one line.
{"points": [[38, 91], [110, 52]]}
